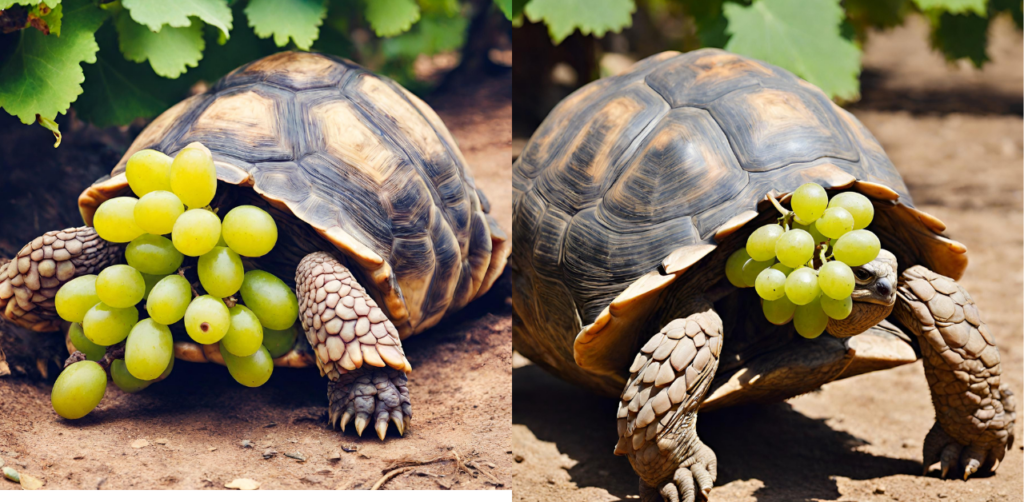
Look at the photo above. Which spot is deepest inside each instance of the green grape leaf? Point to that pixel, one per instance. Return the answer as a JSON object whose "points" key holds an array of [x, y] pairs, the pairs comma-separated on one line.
{"points": [[299, 20], [449, 8], [595, 17], [433, 34], [43, 75], [53, 19], [953, 6], [506, 8], [960, 36], [171, 51], [391, 17], [7, 4], [52, 127], [156, 13], [1014, 7], [800, 35]]}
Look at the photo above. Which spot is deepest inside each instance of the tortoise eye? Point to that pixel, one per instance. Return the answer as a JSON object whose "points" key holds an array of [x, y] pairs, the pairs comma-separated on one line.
{"points": [[862, 275]]}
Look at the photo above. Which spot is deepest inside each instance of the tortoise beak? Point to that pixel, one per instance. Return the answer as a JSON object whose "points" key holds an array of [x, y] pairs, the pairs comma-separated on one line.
{"points": [[881, 292]]}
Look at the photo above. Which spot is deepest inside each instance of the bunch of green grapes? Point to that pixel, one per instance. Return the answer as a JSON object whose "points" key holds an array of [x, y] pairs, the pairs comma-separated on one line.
{"points": [[105, 309], [800, 266]]}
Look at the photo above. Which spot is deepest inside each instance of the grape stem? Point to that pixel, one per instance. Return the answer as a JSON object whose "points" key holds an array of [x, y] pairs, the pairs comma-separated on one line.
{"points": [[787, 215]]}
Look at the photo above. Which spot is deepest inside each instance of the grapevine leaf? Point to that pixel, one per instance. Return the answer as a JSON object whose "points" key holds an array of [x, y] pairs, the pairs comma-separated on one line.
{"points": [[43, 75], [433, 34], [391, 17], [961, 36], [953, 6], [299, 20], [156, 13], [799, 35], [51, 126], [449, 8], [53, 19], [595, 17], [1014, 7], [171, 51], [506, 8], [7, 4]]}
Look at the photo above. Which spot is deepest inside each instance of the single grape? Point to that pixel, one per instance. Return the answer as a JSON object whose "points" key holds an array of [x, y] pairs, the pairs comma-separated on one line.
{"points": [[78, 389], [82, 344], [795, 248], [782, 268], [812, 229], [169, 299], [148, 170], [857, 248], [120, 286], [802, 286], [167, 372], [770, 284], [834, 223], [752, 268], [779, 311], [76, 297], [123, 378], [193, 176], [809, 202], [106, 325], [207, 319], [149, 349], [250, 231], [734, 267], [151, 281], [115, 220], [245, 335], [809, 320], [761, 243], [279, 341], [154, 255], [268, 297], [858, 205], [250, 371], [196, 232], [221, 272], [157, 211], [836, 279], [837, 309]]}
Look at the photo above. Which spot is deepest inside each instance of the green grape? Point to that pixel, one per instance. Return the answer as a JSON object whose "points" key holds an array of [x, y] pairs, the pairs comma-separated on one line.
{"points": [[250, 231], [802, 286], [120, 286], [779, 311], [836, 279], [76, 297], [78, 389], [782, 268], [221, 272], [734, 267], [812, 229], [857, 248], [167, 372], [837, 309], [169, 299], [809, 202], [761, 243], [795, 248], [268, 297], [220, 241], [115, 220], [149, 349], [245, 335], [858, 205], [770, 284], [156, 212], [82, 344], [835, 222], [809, 320], [151, 281], [207, 319], [193, 176], [106, 325], [147, 171], [752, 268], [250, 371], [154, 255], [279, 341], [196, 232], [124, 380]]}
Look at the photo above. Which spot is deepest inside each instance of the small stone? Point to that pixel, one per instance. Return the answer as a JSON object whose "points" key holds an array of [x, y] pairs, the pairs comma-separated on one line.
{"points": [[879, 489], [29, 482], [243, 484], [162, 441], [246, 443], [334, 457], [212, 448], [140, 443], [270, 453], [77, 456], [297, 456], [349, 449], [12, 474]]}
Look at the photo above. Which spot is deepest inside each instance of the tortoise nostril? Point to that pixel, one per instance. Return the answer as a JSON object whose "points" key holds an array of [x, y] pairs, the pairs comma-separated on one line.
{"points": [[883, 287]]}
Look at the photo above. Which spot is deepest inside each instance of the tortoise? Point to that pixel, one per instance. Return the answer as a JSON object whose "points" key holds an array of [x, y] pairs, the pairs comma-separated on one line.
{"points": [[383, 231], [628, 200]]}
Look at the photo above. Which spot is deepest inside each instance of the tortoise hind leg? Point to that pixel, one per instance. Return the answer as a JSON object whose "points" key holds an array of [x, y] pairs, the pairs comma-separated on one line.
{"points": [[356, 346], [657, 416]]}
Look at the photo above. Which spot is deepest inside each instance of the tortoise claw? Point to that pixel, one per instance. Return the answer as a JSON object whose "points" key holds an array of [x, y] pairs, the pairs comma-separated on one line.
{"points": [[361, 422], [372, 396]]}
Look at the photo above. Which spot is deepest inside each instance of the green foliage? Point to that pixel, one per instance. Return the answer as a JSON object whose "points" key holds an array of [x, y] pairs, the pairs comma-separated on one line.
{"points": [[392, 17], [595, 17], [433, 34], [953, 6], [298, 20], [961, 36], [170, 51], [176, 14], [53, 19]]}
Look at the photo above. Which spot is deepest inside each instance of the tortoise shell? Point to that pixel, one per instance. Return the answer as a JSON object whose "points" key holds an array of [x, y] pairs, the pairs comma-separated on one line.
{"points": [[365, 163], [633, 179]]}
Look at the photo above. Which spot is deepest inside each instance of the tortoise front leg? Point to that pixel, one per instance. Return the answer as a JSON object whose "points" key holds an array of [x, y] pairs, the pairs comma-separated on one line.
{"points": [[657, 416], [356, 346], [974, 413]]}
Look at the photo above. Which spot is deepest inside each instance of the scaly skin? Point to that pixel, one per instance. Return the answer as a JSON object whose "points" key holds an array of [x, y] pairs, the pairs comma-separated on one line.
{"points": [[974, 412]]}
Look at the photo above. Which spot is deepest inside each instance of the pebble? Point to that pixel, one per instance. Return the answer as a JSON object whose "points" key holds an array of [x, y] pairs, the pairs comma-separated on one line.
{"points": [[269, 453], [334, 457], [140, 443], [297, 456], [246, 443], [212, 448], [12, 474], [30, 482], [879, 489], [243, 484], [161, 441]]}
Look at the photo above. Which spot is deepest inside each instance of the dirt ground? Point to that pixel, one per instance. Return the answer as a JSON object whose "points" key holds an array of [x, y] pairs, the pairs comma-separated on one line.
{"points": [[956, 136], [195, 423]]}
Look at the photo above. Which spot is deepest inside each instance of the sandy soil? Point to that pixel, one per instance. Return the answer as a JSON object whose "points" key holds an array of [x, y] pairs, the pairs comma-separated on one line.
{"points": [[857, 439], [195, 422]]}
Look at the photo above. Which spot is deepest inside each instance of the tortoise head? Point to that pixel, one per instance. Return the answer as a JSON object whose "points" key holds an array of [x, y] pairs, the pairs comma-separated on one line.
{"points": [[873, 296]]}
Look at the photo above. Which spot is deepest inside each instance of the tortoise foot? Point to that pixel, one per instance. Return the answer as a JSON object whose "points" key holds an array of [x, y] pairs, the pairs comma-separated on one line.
{"points": [[980, 457], [370, 396], [691, 482]]}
